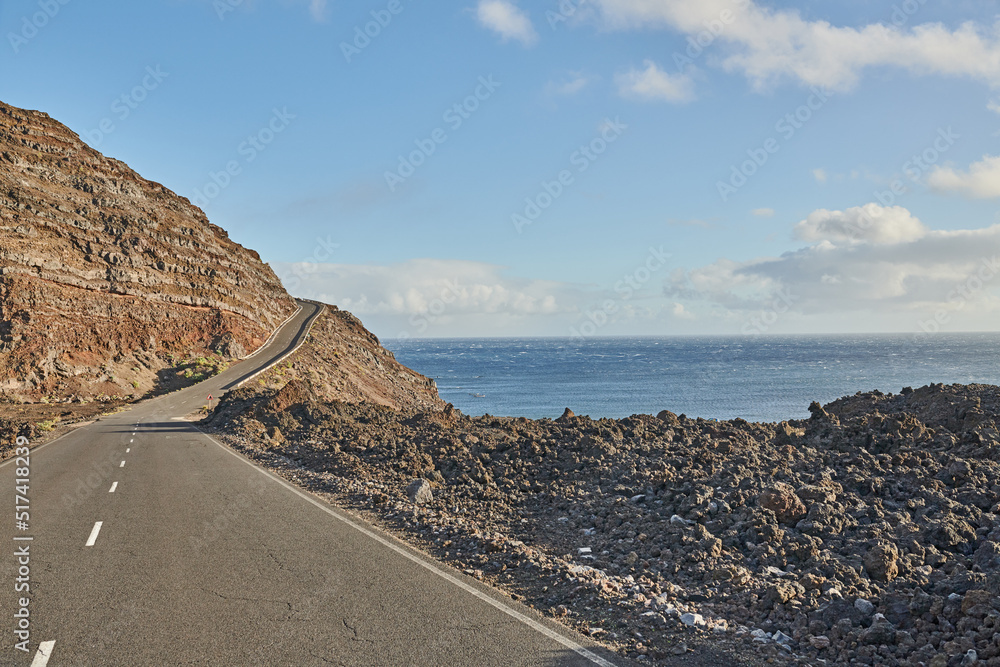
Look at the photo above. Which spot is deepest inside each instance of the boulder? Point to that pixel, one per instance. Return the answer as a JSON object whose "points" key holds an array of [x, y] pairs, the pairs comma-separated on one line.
{"points": [[419, 492], [782, 592], [780, 498], [880, 632], [566, 415], [668, 417], [864, 606], [882, 562]]}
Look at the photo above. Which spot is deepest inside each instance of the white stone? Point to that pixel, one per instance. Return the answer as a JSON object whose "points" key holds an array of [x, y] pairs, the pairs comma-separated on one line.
{"points": [[693, 620], [864, 606]]}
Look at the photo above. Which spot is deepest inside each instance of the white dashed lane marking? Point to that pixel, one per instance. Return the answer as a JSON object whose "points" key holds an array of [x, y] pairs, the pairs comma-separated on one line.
{"points": [[94, 533], [113, 487], [43, 655], [122, 465]]}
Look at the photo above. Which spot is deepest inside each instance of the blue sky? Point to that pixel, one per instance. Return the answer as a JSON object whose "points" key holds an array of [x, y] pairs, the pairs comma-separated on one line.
{"points": [[288, 124]]}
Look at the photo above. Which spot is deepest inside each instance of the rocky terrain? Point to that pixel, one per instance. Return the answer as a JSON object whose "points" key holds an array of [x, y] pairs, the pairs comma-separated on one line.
{"points": [[867, 534], [108, 282], [342, 362]]}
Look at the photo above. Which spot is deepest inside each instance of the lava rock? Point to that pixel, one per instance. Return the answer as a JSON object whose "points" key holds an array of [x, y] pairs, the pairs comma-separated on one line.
{"points": [[419, 492], [781, 499]]}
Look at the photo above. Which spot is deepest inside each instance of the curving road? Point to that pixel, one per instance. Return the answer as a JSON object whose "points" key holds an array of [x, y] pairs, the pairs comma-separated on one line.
{"points": [[152, 544]]}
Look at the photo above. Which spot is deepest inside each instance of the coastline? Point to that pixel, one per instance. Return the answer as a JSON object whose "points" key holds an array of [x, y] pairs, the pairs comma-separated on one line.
{"points": [[767, 378]]}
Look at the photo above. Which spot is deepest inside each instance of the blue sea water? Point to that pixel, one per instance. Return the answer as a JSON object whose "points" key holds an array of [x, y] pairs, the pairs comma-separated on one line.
{"points": [[767, 378]]}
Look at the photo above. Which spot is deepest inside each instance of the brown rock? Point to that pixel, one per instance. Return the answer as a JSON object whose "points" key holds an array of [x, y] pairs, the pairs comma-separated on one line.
{"points": [[780, 498], [781, 592], [824, 492], [812, 582], [976, 598], [668, 417], [882, 562]]}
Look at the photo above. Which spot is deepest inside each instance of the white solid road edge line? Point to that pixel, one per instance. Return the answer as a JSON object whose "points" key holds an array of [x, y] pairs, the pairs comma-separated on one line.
{"points": [[447, 576], [274, 333], [43, 655], [311, 321], [93, 534]]}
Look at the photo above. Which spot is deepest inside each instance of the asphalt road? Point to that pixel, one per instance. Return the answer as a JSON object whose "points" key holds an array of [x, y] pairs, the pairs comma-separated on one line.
{"points": [[152, 544]]}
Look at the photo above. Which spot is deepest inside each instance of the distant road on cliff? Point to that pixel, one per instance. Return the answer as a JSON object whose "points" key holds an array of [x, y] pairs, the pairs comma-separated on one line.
{"points": [[152, 544]]}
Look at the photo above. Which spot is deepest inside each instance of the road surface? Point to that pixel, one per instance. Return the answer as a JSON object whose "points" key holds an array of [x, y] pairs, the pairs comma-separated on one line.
{"points": [[152, 544]]}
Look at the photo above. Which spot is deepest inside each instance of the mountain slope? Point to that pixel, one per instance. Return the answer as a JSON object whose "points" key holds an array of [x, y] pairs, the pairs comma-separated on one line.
{"points": [[107, 279]]}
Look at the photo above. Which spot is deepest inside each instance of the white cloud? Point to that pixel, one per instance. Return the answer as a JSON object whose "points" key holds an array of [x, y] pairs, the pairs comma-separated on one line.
{"points": [[575, 83], [767, 45], [819, 175], [993, 106], [870, 223], [899, 284], [431, 297], [653, 83], [508, 20], [981, 181], [763, 212]]}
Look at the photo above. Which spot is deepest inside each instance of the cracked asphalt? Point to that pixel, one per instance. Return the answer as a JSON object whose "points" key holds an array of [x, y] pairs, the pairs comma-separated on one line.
{"points": [[202, 559]]}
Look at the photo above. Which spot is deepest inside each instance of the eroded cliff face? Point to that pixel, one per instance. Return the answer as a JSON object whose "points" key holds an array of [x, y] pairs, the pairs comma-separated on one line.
{"points": [[108, 280]]}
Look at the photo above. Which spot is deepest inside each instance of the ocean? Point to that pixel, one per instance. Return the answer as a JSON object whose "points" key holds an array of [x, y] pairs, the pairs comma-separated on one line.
{"points": [[768, 378]]}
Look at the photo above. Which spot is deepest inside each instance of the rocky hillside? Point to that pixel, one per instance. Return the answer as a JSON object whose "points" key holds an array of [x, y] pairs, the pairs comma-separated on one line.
{"points": [[340, 363], [108, 281]]}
